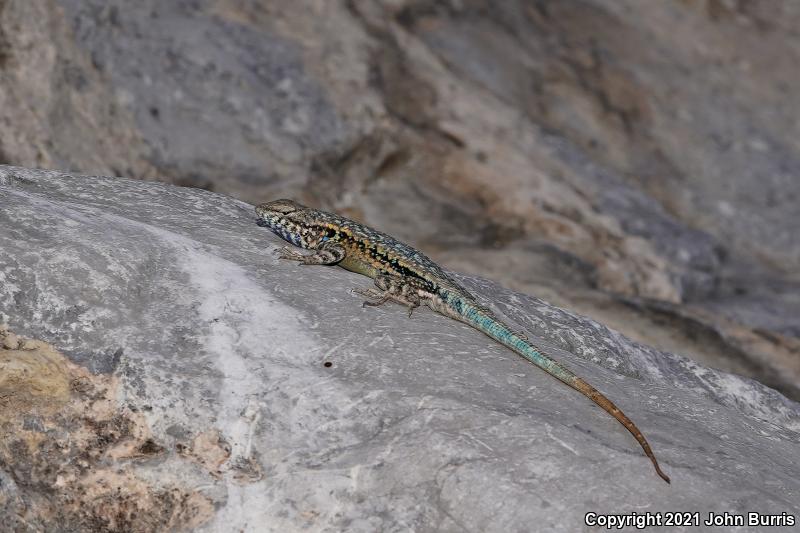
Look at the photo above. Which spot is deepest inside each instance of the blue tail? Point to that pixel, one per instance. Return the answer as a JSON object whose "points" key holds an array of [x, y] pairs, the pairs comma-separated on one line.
{"points": [[466, 310]]}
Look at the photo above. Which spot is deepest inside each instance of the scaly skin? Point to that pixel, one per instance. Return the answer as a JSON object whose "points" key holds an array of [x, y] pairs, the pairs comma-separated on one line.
{"points": [[406, 276]]}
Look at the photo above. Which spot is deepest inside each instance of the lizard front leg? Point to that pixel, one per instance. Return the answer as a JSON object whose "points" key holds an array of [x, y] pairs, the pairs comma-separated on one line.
{"points": [[329, 253], [400, 289]]}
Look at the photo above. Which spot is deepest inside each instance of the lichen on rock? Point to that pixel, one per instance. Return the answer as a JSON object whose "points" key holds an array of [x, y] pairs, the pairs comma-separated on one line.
{"points": [[71, 450]]}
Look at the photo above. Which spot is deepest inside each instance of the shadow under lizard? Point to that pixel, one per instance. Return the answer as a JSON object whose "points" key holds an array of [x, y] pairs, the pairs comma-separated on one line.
{"points": [[404, 275]]}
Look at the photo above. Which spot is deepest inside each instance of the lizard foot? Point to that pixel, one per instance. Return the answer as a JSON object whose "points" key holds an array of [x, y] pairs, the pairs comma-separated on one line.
{"points": [[328, 253], [376, 298], [288, 253]]}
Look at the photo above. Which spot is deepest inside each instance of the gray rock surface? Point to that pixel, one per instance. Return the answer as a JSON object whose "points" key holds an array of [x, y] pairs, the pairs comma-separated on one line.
{"points": [[174, 375], [633, 161]]}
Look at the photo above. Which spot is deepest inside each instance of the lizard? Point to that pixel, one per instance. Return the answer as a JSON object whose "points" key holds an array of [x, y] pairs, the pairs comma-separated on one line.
{"points": [[405, 275]]}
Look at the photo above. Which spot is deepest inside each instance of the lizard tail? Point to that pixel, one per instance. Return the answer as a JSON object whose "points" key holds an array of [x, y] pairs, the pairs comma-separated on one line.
{"points": [[537, 357], [483, 320], [597, 397]]}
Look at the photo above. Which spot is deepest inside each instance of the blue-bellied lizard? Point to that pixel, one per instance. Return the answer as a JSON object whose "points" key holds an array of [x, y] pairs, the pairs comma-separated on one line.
{"points": [[404, 275]]}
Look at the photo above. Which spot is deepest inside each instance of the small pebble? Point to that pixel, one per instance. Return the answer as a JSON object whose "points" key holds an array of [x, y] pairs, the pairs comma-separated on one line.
{"points": [[11, 342], [29, 344]]}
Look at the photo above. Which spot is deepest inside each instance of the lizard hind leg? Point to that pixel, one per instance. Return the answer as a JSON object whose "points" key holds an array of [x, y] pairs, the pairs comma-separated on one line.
{"points": [[402, 290], [376, 298], [373, 298]]}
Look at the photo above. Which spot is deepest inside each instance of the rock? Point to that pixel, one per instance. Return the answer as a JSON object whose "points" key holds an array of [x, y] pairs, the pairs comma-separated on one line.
{"points": [[636, 160], [10, 342], [179, 377]]}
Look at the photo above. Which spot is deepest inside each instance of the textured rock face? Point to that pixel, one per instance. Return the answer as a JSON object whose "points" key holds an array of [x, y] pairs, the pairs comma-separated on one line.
{"points": [[635, 161], [160, 368]]}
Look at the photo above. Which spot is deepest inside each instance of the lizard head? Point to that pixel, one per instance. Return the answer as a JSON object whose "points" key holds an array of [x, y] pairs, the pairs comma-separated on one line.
{"points": [[283, 217]]}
